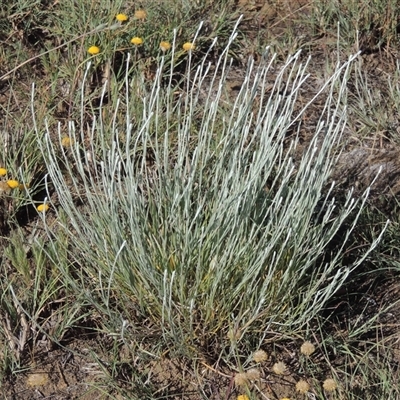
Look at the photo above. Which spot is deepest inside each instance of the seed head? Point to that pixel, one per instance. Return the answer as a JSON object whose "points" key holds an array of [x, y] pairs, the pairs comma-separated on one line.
{"points": [[329, 385], [4, 188], [260, 356], [140, 14], [302, 386], [279, 368], [37, 380], [253, 374], [307, 348], [241, 379]]}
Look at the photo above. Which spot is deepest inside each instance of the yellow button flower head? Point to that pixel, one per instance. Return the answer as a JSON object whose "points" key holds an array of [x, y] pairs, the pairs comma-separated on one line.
{"points": [[43, 207], [93, 50], [121, 17], [140, 14], [164, 46], [3, 171], [12, 183], [137, 41], [188, 46], [66, 141], [242, 397]]}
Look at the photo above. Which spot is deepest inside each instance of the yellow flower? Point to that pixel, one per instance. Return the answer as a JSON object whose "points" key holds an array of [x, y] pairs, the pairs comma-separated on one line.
{"points": [[122, 17], [93, 50], [140, 14], [12, 183], [164, 46], [137, 41], [188, 46], [66, 142], [285, 398], [3, 171], [42, 207], [242, 397]]}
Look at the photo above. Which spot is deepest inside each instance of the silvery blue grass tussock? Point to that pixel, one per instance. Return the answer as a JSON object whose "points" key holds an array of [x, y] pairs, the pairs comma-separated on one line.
{"points": [[189, 202]]}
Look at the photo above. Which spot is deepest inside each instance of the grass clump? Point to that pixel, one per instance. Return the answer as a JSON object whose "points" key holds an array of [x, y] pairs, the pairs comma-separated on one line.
{"points": [[200, 218], [372, 26]]}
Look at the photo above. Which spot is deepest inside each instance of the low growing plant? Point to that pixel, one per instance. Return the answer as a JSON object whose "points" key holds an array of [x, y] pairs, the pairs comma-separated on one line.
{"points": [[202, 217]]}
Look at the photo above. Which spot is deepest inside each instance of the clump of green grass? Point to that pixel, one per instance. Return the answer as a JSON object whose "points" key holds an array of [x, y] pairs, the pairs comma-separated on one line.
{"points": [[198, 218], [35, 304], [373, 25]]}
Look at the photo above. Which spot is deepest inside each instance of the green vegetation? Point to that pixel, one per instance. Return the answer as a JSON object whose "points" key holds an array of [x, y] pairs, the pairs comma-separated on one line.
{"points": [[196, 200]]}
